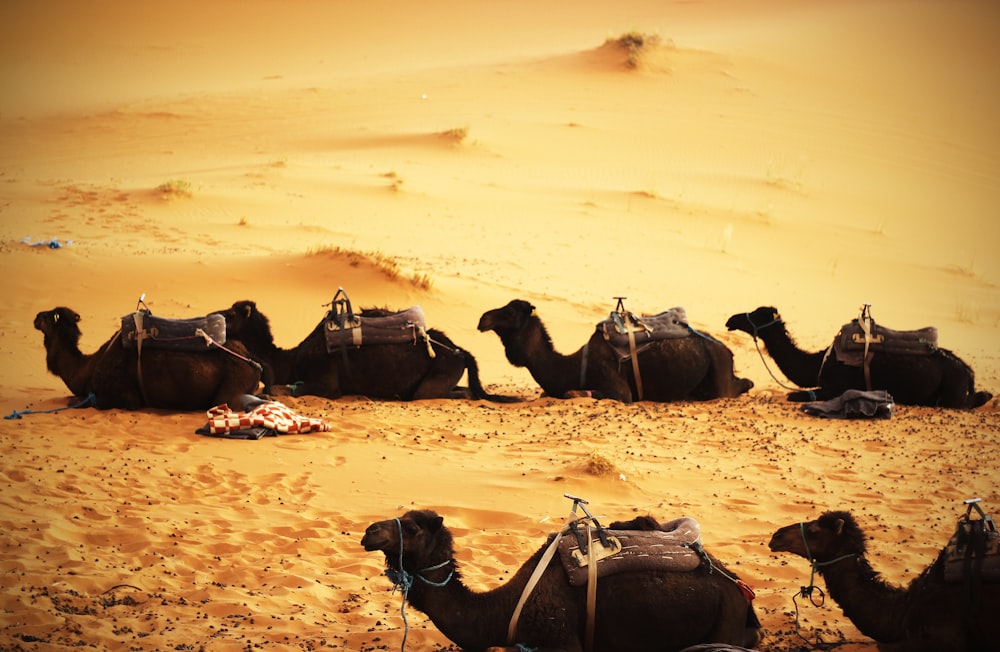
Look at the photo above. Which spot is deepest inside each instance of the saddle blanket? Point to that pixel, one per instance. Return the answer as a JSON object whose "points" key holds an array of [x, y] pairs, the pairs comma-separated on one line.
{"points": [[854, 404], [259, 418], [172, 334], [405, 327], [675, 547], [849, 344]]}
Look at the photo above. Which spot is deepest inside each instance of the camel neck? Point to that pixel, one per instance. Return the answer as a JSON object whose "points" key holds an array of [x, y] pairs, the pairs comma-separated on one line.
{"points": [[800, 367], [875, 607]]}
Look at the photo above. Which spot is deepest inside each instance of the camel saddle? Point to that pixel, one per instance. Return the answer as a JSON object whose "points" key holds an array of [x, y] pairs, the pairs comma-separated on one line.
{"points": [[621, 324], [143, 329], [863, 336], [973, 552], [676, 546], [344, 328]]}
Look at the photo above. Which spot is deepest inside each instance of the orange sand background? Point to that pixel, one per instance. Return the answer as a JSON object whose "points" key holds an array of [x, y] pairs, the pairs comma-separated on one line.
{"points": [[808, 155]]}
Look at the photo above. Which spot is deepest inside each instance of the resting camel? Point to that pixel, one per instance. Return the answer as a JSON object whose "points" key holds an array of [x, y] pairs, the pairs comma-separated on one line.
{"points": [[172, 380], [389, 371], [939, 379], [929, 615], [636, 610], [690, 368]]}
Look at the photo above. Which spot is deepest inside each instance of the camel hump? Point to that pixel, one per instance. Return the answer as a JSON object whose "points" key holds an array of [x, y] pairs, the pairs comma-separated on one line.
{"points": [[676, 546], [404, 327], [195, 334]]}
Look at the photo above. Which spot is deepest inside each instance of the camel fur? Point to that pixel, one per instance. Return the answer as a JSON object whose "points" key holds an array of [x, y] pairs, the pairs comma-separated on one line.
{"points": [[937, 379], [690, 368], [172, 380], [404, 371], [638, 611], [929, 615]]}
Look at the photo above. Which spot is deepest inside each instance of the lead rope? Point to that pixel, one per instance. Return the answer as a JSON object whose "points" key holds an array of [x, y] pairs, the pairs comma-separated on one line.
{"points": [[404, 580], [756, 330], [807, 591], [90, 401]]}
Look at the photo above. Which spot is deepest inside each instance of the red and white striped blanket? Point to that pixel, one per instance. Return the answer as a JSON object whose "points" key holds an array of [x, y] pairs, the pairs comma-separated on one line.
{"points": [[269, 414]]}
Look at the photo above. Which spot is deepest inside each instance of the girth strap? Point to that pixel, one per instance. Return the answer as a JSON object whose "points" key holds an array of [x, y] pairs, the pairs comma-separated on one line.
{"points": [[140, 335], [866, 325], [635, 358]]}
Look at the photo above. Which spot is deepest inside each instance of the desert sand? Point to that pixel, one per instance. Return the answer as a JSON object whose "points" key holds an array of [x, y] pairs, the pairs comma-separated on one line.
{"points": [[812, 156]]}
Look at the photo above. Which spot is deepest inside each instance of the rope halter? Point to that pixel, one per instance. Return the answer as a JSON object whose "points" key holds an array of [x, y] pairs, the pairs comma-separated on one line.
{"points": [[403, 580]]}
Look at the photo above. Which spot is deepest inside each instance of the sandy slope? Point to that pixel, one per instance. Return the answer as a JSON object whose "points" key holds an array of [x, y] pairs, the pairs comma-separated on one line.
{"points": [[811, 156]]}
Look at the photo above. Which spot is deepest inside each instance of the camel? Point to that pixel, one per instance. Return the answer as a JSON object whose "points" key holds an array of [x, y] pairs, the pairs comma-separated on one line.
{"points": [[928, 615], [402, 372], [939, 379], [689, 368], [636, 610], [172, 380]]}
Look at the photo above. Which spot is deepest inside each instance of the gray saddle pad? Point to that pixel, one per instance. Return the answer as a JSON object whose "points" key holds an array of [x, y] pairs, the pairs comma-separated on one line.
{"points": [[172, 334], [675, 547], [404, 327], [670, 324]]}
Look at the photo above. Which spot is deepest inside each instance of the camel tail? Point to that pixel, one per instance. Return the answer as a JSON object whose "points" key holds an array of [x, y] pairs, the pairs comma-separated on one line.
{"points": [[476, 387]]}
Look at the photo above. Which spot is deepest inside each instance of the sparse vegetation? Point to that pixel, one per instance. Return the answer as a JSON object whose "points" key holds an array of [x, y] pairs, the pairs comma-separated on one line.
{"points": [[635, 44], [598, 465], [395, 181], [380, 261], [175, 188], [456, 135]]}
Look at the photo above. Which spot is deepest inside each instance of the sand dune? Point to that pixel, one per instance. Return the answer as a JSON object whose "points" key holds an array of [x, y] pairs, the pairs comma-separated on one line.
{"points": [[810, 156]]}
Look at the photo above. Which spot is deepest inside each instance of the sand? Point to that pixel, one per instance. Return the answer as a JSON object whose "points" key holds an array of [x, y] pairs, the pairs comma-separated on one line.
{"points": [[811, 156]]}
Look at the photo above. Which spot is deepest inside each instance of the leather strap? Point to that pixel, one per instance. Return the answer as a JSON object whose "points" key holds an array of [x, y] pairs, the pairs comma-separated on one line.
{"points": [[140, 335], [591, 590], [635, 358], [543, 563]]}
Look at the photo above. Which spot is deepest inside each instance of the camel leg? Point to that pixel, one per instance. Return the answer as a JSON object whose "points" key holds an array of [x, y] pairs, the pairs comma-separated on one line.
{"points": [[727, 385]]}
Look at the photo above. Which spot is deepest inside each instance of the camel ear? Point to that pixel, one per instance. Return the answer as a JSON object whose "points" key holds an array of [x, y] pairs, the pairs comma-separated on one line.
{"points": [[55, 317], [840, 526], [435, 524], [248, 308]]}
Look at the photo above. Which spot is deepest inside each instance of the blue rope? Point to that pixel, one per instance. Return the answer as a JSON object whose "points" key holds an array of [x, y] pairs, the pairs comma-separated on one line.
{"points": [[403, 580], [91, 400]]}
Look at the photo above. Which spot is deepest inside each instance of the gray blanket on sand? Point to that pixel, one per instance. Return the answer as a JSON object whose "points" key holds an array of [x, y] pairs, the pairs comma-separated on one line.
{"points": [[854, 404]]}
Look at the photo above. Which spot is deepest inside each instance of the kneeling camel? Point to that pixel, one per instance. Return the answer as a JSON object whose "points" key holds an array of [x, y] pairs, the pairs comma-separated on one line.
{"points": [[639, 611]]}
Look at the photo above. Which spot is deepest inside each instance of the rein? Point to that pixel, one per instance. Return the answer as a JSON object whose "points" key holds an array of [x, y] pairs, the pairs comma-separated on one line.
{"points": [[807, 591], [91, 400], [756, 331], [403, 580]]}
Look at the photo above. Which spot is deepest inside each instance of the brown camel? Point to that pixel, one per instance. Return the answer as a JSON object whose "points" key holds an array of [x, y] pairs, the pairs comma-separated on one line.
{"points": [[172, 380], [930, 615], [690, 368], [637, 611], [939, 378], [390, 371]]}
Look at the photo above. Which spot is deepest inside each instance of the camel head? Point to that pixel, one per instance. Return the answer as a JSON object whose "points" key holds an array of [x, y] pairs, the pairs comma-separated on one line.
{"points": [[753, 322], [509, 319], [832, 535], [247, 324], [418, 532], [58, 321]]}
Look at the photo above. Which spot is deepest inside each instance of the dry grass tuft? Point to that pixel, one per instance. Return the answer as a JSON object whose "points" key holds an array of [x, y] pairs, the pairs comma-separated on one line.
{"points": [[455, 136], [175, 188], [384, 263], [598, 465], [635, 45]]}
